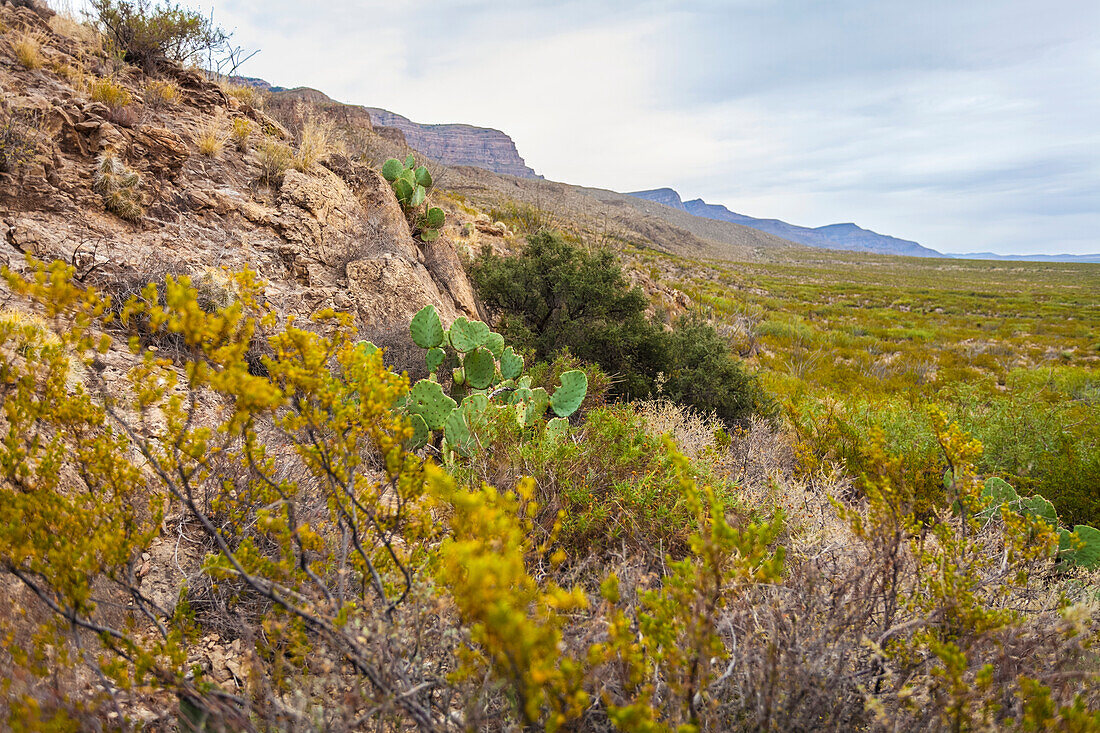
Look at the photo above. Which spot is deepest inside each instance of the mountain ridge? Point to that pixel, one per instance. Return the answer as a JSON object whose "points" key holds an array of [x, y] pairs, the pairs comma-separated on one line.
{"points": [[846, 236]]}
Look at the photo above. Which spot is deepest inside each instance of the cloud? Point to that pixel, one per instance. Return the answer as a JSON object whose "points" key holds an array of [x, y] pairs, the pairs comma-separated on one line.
{"points": [[965, 126]]}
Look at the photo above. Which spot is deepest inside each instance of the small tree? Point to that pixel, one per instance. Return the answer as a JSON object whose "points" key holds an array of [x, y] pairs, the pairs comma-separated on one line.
{"points": [[149, 35]]}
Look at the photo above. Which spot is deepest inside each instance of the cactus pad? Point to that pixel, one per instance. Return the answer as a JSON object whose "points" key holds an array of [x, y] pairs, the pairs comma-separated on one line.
{"points": [[569, 396], [467, 335], [557, 428], [480, 368], [536, 406], [457, 432], [391, 169], [1086, 551], [426, 328], [435, 358], [420, 433], [1038, 507], [511, 364], [434, 218], [999, 493], [494, 342], [426, 399]]}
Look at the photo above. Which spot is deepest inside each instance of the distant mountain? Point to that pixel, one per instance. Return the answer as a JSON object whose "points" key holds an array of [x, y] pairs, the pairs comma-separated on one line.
{"points": [[1025, 258], [457, 144], [834, 236]]}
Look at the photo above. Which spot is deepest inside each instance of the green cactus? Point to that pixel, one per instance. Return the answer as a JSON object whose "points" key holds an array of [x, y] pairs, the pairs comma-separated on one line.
{"points": [[435, 358], [569, 396], [421, 433], [536, 406], [426, 399], [1081, 547], [467, 335], [366, 347], [488, 375], [480, 368], [557, 428], [426, 328], [411, 185], [1037, 506], [494, 342], [430, 224], [511, 364], [457, 432]]}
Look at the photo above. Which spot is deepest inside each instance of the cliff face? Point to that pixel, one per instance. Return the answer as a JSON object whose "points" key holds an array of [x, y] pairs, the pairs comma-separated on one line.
{"points": [[456, 144]]}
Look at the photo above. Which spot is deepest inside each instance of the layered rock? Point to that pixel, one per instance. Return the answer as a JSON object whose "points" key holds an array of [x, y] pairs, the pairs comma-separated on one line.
{"points": [[456, 144]]}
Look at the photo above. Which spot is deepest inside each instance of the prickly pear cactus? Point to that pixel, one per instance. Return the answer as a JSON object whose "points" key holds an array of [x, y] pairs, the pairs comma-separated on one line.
{"points": [[480, 368], [488, 375], [411, 185], [1037, 506], [511, 364]]}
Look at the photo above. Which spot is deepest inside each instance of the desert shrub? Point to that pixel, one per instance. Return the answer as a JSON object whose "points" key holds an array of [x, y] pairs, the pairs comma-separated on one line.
{"points": [[524, 218], [556, 296], [275, 157], [149, 34], [611, 485], [359, 586], [120, 187], [28, 51], [110, 93], [1041, 433], [161, 93], [19, 134]]}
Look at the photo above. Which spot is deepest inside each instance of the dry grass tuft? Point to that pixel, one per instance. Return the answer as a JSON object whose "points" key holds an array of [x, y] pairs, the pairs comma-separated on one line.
{"points": [[240, 131], [110, 93], [161, 93], [210, 139], [275, 158], [317, 141], [28, 50], [65, 24], [244, 94]]}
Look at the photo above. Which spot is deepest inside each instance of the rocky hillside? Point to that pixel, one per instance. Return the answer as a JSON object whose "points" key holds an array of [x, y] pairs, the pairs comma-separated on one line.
{"points": [[456, 144], [833, 236]]}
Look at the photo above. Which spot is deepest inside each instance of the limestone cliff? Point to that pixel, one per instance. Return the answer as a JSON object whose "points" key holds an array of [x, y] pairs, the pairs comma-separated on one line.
{"points": [[456, 144]]}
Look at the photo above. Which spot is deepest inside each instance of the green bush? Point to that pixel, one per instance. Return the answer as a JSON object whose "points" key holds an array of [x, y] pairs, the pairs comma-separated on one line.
{"points": [[611, 485], [555, 296], [148, 34]]}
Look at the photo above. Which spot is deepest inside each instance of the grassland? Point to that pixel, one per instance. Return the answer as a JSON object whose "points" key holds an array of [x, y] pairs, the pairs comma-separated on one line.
{"points": [[852, 343]]}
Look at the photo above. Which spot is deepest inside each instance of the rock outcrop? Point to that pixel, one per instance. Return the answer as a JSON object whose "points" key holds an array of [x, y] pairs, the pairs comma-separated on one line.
{"points": [[331, 236]]}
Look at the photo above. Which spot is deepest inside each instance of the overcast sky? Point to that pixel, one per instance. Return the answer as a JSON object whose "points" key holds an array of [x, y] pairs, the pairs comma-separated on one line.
{"points": [[966, 125]]}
